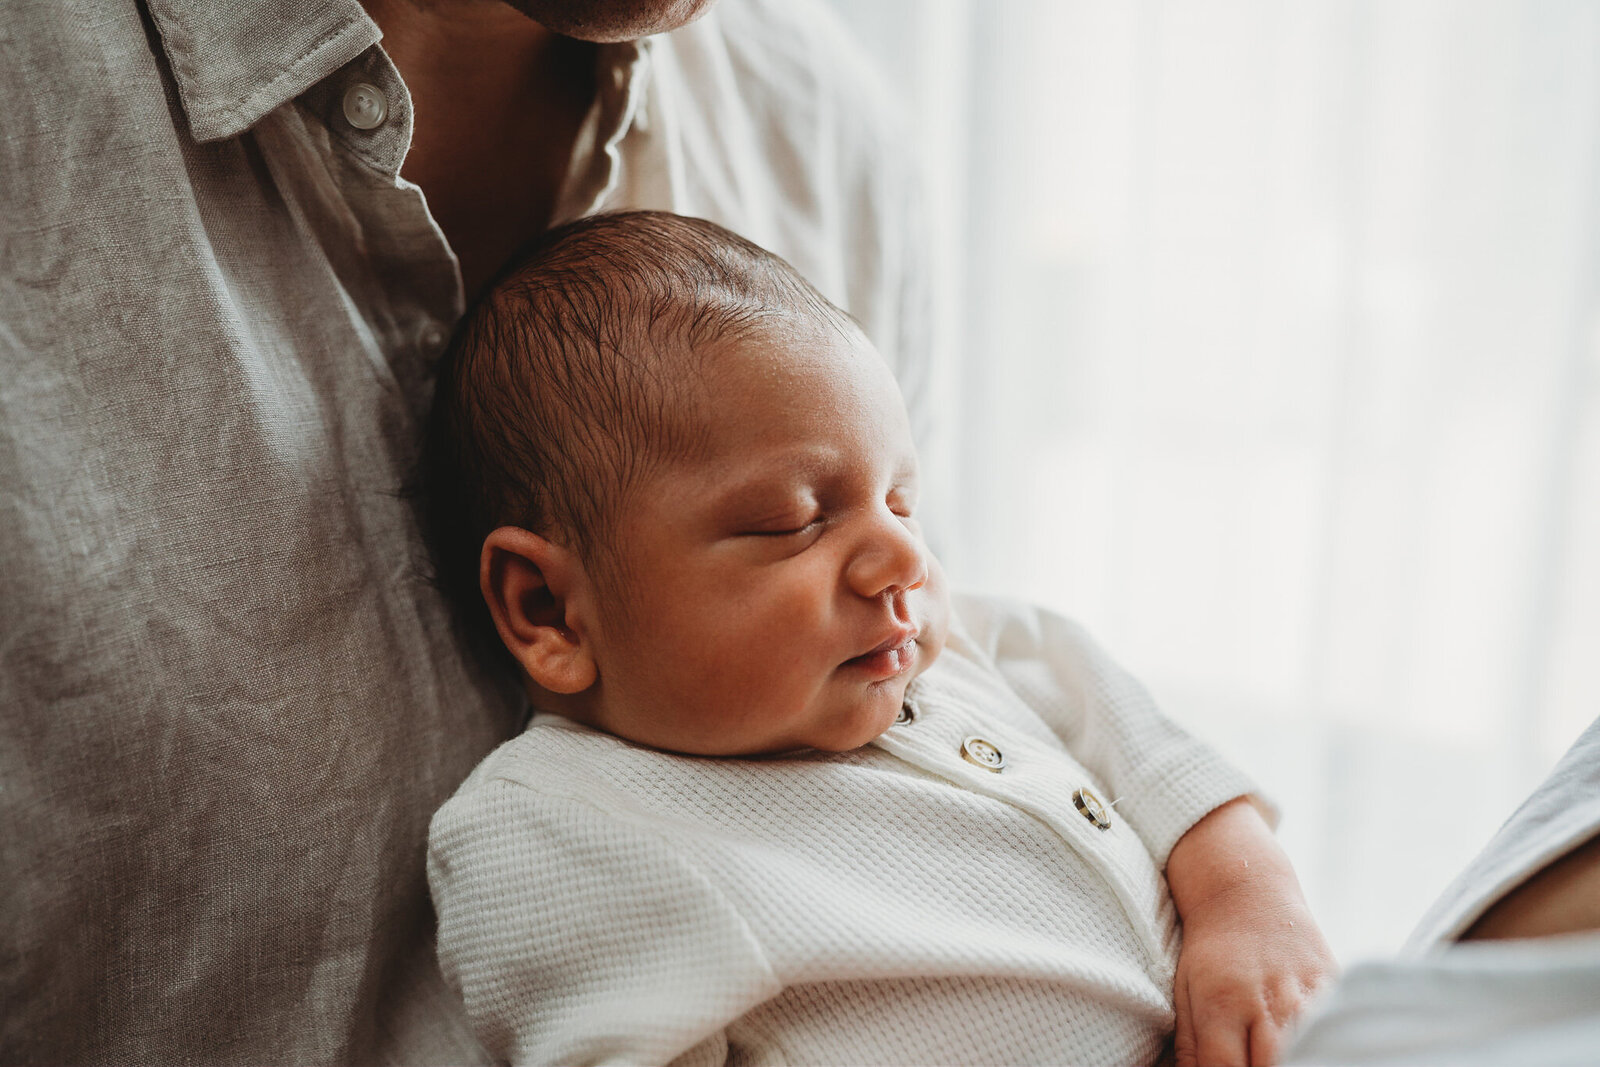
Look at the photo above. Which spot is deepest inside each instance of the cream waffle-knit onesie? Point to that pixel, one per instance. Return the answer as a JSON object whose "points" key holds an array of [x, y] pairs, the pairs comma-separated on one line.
{"points": [[600, 902]]}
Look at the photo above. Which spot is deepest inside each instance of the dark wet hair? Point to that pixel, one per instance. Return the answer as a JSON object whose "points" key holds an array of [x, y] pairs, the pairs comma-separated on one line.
{"points": [[575, 374]]}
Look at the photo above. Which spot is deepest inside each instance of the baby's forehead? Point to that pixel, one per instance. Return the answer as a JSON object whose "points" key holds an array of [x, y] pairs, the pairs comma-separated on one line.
{"points": [[786, 345], [756, 379]]}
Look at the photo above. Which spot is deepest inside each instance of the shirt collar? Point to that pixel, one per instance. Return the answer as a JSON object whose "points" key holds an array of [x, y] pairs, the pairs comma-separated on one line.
{"points": [[234, 63]]}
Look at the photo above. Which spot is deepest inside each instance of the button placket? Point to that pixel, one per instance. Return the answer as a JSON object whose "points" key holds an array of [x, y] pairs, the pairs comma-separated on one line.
{"points": [[1059, 798], [365, 106], [406, 285], [1045, 782], [983, 753], [1033, 777], [1090, 807], [431, 339]]}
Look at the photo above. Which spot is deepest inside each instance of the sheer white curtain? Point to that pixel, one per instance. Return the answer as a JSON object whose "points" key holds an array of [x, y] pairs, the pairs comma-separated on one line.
{"points": [[1277, 363]]}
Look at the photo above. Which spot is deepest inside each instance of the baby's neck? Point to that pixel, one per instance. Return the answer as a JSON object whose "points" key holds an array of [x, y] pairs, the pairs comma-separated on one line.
{"points": [[579, 707]]}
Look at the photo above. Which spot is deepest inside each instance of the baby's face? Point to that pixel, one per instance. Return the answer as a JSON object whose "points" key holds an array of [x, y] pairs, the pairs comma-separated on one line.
{"points": [[778, 591]]}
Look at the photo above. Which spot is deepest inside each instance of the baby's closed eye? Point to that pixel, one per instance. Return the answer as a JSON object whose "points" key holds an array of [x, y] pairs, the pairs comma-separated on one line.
{"points": [[790, 527]]}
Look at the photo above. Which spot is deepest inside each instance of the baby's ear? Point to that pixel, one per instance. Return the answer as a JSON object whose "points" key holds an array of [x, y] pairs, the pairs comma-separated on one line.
{"points": [[532, 586]]}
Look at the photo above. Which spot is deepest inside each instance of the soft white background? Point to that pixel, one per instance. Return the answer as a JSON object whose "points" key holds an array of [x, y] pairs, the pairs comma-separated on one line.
{"points": [[1276, 360]]}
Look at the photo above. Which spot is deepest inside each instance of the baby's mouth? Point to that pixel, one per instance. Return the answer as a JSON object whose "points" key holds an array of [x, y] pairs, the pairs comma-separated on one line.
{"points": [[892, 656]]}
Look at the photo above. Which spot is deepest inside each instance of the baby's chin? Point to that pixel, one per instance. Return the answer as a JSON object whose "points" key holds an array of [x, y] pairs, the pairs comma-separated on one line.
{"points": [[884, 711], [843, 742]]}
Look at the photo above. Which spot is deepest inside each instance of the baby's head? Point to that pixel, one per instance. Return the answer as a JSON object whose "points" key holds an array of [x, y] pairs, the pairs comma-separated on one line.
{"points": [[682, 483]]}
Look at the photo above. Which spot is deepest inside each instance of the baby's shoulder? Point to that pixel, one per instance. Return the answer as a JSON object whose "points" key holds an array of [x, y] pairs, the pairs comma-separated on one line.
{"points": [[557, 758], [995, 625], [559, 764], [1015, 636], [553, 790]]}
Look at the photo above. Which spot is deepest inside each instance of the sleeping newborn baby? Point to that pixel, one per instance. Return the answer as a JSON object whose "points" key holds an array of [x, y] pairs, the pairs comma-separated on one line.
{"points": [[778, 802]]}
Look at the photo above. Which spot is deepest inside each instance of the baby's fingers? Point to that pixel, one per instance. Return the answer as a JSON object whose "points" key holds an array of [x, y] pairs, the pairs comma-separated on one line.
{"points": [[1247, 1030], [1209, 1033], [1223, 1026], [1222, 1042], [1271, 1026], [1266, 1043], [1183, 1054]]}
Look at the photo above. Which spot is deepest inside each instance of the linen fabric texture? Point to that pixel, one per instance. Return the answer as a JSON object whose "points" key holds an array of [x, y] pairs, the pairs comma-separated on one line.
{"points": [[601, 902], [1561, 814], [230, 700], [1534, 1002]]}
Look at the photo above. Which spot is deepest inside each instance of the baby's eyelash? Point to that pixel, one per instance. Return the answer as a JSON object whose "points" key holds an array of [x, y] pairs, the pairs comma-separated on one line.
{"points": [[787, 533], [902, 504]]}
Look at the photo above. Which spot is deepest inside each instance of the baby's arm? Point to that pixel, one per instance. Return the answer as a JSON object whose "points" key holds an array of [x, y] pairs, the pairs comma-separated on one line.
{"points": [[1162, 780], [1242, 961], [1252, 955], [578, 938]]}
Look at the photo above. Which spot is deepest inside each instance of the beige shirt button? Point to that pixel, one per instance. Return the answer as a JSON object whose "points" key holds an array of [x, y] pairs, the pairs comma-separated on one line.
{"points": [[1090, 807], [905, 716], [365, 106], [977, 750], [432, 339]]}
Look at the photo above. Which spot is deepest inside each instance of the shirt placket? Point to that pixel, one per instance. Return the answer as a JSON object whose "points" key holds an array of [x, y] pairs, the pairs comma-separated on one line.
{"points": [[412, 294], [983, 754]]}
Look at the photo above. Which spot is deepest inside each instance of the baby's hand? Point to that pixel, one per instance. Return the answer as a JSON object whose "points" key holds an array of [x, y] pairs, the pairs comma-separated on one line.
{"points": [[1252, 955]]}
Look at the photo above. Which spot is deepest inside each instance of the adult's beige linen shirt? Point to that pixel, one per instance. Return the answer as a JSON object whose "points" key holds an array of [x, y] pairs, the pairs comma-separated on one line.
{"points": [[229, 702]]}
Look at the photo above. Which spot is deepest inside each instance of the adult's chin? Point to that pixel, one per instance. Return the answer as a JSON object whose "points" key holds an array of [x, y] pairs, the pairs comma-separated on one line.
{"points": [[604, 21]]}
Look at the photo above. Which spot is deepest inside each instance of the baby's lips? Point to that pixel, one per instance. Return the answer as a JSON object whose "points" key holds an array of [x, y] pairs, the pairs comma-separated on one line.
{"points": [[881, 664], [902, 636]]}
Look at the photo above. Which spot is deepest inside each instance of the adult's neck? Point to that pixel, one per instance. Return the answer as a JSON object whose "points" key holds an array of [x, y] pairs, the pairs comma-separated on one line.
{"points": [[497, 101], [478, 51]]}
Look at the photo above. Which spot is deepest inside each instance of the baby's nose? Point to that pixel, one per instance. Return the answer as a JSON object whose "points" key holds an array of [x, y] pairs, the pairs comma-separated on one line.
{"points": [[890, 558]]}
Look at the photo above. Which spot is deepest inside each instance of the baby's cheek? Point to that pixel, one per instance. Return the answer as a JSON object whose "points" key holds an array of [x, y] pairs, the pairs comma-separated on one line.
{"points": [[934, 606]]}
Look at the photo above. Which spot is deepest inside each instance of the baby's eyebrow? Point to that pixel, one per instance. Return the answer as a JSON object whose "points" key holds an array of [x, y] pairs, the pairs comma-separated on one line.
{"points": [[765, 487], [800, 467]]}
